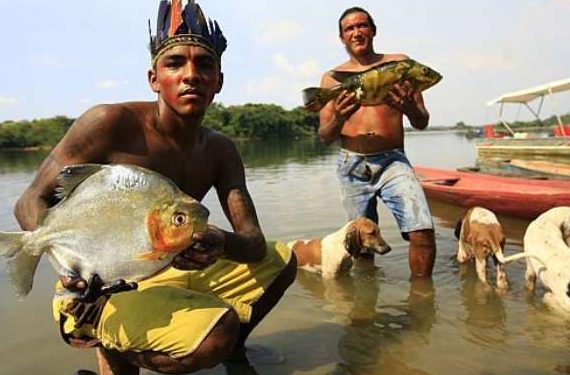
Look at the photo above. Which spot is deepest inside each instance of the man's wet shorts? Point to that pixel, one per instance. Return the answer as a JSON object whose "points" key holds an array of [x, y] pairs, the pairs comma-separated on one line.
{"points": [[389, 176], [173, 311]]}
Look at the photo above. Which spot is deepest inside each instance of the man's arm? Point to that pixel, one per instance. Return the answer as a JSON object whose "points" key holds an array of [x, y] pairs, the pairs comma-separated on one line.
{"points": [[88, 140], [247, 243], [334, 114]]}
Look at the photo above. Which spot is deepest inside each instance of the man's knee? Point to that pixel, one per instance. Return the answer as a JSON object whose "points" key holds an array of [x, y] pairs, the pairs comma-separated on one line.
{"points": [[217, 346]]}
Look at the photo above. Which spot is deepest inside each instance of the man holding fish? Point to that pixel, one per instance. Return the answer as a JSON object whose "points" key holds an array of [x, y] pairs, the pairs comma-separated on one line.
{"points": [[372, 93], [200, 311]]}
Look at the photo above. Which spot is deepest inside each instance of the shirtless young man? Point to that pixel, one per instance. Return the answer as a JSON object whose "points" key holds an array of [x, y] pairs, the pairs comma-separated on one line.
{"points": [[372, 162], [199, 312]]}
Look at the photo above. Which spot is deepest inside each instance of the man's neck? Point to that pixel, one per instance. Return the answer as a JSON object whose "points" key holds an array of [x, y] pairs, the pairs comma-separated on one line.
{"points": [[366, 59], [181, 130]]}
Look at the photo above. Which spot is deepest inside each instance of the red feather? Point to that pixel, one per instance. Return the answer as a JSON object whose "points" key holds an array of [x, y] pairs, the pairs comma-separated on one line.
{"points": [[175, 17]]}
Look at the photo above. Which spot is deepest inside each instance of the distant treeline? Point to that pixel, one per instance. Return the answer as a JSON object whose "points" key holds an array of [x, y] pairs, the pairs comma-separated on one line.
{"points": [[250, 121], [521, 126]]}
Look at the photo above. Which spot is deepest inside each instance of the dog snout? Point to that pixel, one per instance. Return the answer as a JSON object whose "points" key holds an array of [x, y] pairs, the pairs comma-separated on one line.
{"points": [[381, 249]]}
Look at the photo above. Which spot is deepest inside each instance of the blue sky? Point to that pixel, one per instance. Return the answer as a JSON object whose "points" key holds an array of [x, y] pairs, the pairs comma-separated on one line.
{"points": [[61, 57]]}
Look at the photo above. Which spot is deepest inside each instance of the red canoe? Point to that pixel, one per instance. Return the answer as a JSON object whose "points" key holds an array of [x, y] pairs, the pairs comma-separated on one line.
{"points": [[518, 197]]}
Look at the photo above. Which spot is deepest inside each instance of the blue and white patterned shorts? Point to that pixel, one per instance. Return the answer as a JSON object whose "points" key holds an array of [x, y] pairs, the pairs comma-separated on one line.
{"points": [[389, 176]]}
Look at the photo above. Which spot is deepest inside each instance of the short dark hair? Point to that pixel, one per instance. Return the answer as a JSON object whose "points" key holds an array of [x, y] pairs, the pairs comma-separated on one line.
{"points": [[356, 10]]}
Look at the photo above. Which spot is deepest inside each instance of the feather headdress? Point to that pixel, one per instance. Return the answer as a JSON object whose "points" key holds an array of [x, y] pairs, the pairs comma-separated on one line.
{"points": [[177, 26]]}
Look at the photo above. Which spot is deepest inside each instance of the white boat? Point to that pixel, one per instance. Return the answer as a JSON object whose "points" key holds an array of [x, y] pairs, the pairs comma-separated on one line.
{"points": [[523, 145]]}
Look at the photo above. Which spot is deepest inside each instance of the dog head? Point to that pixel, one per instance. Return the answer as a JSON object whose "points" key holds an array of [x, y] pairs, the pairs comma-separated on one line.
{"points": [[481, 229], [363, 237]]}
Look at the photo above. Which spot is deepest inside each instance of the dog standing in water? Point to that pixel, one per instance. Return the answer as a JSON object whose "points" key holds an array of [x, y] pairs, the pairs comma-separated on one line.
{"points": [[334, 253], [480, 235], [547, 253]]}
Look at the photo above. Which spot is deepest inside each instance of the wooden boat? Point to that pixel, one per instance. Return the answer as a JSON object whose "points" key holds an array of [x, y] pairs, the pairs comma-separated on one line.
{"points": [[529, 169], [546, 149], [545, 167], [518, 197]]}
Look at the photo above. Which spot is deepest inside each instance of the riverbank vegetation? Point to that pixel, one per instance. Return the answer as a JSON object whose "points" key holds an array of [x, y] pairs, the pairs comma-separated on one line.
{"points": [[249, 121]]}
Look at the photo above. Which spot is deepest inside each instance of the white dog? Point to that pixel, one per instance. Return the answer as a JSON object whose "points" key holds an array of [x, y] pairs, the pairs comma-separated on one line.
{"points": [[480, 235], [333, 253], [547, 253]]}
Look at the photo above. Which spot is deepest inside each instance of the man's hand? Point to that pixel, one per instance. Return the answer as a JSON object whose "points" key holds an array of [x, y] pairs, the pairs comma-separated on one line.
{"points": [[208, 246], [345, 105], [401, 97], [87, 308]]}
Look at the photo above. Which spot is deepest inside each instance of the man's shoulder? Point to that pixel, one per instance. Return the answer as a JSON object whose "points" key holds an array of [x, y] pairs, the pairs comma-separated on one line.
{"points": [[115, 112], [388, 57], [216, 138]]}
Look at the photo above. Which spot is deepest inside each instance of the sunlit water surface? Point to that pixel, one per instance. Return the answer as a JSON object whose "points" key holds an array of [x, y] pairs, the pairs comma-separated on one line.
{"points": [[373, 321]]}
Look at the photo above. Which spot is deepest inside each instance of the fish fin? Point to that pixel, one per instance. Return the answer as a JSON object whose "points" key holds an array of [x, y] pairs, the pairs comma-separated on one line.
{"points": [[71, 176], [342, 76], [151, 255], [11, 243], [21, 265]]}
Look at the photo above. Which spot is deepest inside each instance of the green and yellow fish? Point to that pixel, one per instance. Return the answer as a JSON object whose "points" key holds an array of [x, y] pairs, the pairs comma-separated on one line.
{"points": [[371, 86], [117, 221]]}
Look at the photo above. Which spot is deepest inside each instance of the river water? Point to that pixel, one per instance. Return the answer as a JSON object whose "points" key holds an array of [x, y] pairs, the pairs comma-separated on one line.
{"points": [[373, 321]]}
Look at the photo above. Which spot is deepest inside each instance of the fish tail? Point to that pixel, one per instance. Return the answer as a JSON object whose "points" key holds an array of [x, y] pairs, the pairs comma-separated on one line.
{"points": [[315, 98], [20, 264]]}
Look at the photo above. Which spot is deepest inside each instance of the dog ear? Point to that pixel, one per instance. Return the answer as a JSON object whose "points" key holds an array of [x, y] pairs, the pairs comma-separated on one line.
{"points": [[458, 225], [352, 242]]}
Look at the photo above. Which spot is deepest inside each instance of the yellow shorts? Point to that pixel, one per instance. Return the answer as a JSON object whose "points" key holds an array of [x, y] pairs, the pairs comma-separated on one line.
{"points": [[173, 311]]}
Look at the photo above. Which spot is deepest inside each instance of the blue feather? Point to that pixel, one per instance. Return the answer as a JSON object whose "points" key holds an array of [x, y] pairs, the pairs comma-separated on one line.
{"points": [[190, 18], [163, 11]]}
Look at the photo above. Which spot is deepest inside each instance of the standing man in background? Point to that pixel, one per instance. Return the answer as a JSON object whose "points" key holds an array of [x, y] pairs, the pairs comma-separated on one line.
{"points": [[372, 162]]}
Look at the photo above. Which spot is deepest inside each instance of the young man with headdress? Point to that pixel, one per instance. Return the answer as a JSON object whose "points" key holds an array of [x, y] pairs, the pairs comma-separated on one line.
{"points": [[372, 162], [199, 312]]}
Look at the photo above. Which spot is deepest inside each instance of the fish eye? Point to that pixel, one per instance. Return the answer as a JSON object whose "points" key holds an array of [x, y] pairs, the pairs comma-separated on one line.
{"points": [[179, 219]]}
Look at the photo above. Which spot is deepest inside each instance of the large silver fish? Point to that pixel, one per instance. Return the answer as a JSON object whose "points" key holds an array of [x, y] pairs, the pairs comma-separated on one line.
{"points": [[371, 86], [118, 221]]}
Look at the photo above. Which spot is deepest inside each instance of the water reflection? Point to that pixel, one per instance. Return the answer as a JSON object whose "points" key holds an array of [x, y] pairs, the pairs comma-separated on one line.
{"points": [[20, 162], [372, 330], [484, 322], [276, 152]]}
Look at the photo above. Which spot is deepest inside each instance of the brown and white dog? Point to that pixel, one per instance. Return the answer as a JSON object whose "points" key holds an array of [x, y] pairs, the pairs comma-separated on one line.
{"points": [[334, 253], [547, 253], [480, 235]]}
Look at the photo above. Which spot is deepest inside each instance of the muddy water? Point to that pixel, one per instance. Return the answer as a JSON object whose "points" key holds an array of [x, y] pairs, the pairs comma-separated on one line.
{"points": [[373, 321]]}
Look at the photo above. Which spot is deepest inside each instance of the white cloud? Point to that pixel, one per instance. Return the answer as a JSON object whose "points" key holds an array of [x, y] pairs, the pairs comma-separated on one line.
{"points": [[482, 62], [50, 61], [306, 69], [7, 101], [279, 32], [111, 84], [266, 85]]}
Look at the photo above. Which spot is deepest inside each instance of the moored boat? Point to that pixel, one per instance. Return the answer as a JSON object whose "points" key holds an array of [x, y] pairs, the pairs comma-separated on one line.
{"points": [[518, 197], [523, 145]]}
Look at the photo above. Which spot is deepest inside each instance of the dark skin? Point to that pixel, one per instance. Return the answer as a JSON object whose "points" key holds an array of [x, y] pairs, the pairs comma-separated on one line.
{"points": [[166, 136], [376, 128]]}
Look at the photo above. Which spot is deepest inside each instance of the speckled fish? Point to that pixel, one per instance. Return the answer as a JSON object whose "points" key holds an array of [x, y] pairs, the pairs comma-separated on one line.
{"points": [[371, 86], [119, 221]]}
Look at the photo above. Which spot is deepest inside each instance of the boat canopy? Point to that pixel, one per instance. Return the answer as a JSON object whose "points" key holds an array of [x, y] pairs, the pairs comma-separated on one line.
{"points": [[523, 97], [527, 95]]}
